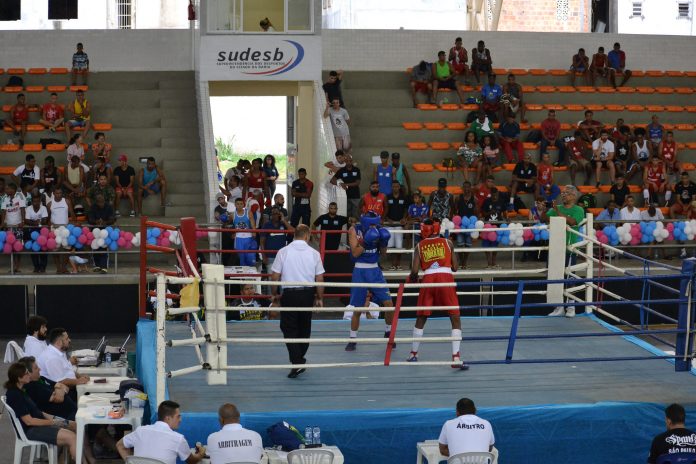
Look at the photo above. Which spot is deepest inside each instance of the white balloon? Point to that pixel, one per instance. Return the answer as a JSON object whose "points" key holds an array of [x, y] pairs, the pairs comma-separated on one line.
{"points": [[659, 225], [688, 230], [475, 235], [690, 236], [100, 242], [664, 233], [96, 232], [479, 225], [519, 241], [659, 238], [95, 244], [657, 232]]}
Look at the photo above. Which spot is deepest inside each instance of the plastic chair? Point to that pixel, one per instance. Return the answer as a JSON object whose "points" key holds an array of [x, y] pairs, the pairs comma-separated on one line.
{"points": [[677, 458], [310, 456], [471, 458], [142, 460], [22, 441], [13, 352]]}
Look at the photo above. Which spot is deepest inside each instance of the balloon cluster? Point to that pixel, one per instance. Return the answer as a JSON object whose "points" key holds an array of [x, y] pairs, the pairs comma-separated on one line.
{"points": [[161, 237], [507, 234], [646, 232], [9, 243]]}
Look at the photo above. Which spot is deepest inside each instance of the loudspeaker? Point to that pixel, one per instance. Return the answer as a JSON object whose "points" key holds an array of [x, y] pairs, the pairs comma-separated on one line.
{"points": [[10, 10], [62, 9]]}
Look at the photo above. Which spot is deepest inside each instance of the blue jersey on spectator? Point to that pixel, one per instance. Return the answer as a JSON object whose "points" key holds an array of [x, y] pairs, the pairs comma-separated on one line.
{"points": [[416, 211], [614, 58], [491, 93], [384, 178], [605, 216], [275, 240]]}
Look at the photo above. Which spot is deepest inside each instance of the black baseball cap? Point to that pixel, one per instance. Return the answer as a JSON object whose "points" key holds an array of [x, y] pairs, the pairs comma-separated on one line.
{"points": [[442, 182], [384, 154]]}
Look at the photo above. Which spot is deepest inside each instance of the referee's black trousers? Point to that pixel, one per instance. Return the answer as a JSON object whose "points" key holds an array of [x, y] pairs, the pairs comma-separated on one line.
{"points": [[297, 324]]}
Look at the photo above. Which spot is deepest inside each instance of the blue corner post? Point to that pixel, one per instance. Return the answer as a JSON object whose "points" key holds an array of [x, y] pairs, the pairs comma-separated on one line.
{"points": [[686, 320]]}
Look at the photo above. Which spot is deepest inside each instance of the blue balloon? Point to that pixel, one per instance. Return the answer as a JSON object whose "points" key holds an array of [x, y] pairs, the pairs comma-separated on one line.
{"points": [[3, 235], [109, 229], [544, 234], [79, 245], [114, 235], [113, 246], [472, 220], [503, 226], [72, 240], [35, 247], [505, 241], [107, 241], [34, 235], [70, 227], [156, 232], [646, 238], [152, 241], [28, 244], [76, 232], [465, 223]]}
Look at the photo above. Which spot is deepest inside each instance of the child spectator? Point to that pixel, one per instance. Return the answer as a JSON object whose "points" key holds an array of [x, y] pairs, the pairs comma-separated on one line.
{"points": [[512, 98], [580, 65], [510, 138], [544, 175], [655, 131], [468, 154], [101, 150], [52, 113], [619, 191], [75, 148], [77, 264], [124, 176], [577, 159], [340, 124], [36, 216], [490, 99], [466, 207], [332, 87], [251, 305], [551, 135], [12, 216], [443, 77], [152, 181], [421, 81], [80, 65], [417, 212], [524, 178], [271, 172], [79, 114], [458, 58], [488, 159], [598, 67], [616, 60], [685, 192], [603, 156], [481, 61], [19, 118], [28, 175]]}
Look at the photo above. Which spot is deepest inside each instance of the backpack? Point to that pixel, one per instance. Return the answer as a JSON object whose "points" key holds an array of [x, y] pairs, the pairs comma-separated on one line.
{"points": [[285, 436], [15, 81], [587, 200]]}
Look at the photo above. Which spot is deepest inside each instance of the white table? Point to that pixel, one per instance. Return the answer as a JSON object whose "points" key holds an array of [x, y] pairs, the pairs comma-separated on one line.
{"points": [[96, 399], [281, 457], [111, 385], [117, 369], [430, 450], [85, 416]]}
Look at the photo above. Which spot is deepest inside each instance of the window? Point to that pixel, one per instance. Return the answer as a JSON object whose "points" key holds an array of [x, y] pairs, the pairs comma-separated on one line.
{"points": [[562, 10], [124, 12], [684, 10], [637, 10]]}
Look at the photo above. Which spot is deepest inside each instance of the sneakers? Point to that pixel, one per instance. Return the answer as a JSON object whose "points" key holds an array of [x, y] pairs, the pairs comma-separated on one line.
{"points": [[412, 357], [117, 214], [132, 213], [351, 346], [559, 311], [458, 364], [570, 311], [682, 254]]}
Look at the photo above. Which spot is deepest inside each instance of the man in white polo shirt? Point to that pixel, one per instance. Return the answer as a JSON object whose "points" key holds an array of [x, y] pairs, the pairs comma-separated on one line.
{"points": [[233, 443], [55, 365], [159, 440], [298, 262], [467, 433], [35, 343]]}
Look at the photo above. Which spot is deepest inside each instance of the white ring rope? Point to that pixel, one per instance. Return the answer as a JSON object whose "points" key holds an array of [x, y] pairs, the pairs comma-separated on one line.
{"points": [[282, 341]]}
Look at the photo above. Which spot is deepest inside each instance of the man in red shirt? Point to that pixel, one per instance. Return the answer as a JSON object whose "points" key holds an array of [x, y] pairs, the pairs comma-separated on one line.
{"points": [[52, 114], [551, 135], [590, 127], [458, 58], [19, 117], [598, 67], [373, 200], [544, 174], [483, 191]]}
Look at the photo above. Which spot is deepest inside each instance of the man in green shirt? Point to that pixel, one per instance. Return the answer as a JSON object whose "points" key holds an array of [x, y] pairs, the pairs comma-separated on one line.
{"points": [[101, 188], [573, 215]]}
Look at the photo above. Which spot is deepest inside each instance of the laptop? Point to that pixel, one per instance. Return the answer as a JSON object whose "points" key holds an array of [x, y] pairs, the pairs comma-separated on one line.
{"points": [[116, 351], [94, 361]]}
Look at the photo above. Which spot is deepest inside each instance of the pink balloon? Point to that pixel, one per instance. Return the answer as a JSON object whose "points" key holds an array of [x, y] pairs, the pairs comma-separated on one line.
{"points": [[165, 234], [90, 236], [457, 220], [51, 235], [527, 234], [603, 238], [41, 240], [128, 236], [82, 239], [7, 248], [51, 244], [85, 230], [165, 242], [671, 235], [670, 227], [44, 248], [129, 245], [10, 238], [121, 242], [635, 240], [17, 246], [44, 231]]}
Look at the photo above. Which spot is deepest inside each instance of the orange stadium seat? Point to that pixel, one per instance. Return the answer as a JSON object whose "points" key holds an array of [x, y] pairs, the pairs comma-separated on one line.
{"points": [[595, 211], [412, 125], [684, 90], [57, 88], [441, 168], [530, 145], [427, 189], [508, 166], [588, 189], [55, 147], [528, 88], [470, 106], [674, 109], [456, 145], [615, 107], [690, 109], [13, 89], [626, 90], [560, 168], [604, 188], [518, 71], [646, 90], [688, 166], [575, 107], [32, 147], [59, 71], [16, 71], [655, 73], [635, 108], [565, 89], [423, 167], [440, 145], [427, 107], [638, 73], [534, 107], [635, 188], [75, 88], [469, 88], [684, 127], [454, 190], [523, 212], [502, 188], [559, 72], [586, 89], [654, 108], [2, 71], [456, 126], [566, 126], [434, 125], [546, 88], [37, 70], [6, 170], [606, 89], [9, 147], [554, 106], [538, 72], [449, 107], [595, 107], [665, 90], [675, 73], [34, 88], [691, 145]]}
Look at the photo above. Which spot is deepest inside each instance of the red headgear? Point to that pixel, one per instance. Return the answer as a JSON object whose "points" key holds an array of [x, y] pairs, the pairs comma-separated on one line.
{"points": [[428, 228]]}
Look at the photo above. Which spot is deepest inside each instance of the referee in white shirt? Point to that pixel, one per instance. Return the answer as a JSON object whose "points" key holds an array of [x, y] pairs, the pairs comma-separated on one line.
{"points": [[467, 433], [233, 443], [298, 262]]}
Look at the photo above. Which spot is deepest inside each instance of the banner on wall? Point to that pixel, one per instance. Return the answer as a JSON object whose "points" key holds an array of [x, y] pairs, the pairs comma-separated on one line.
{"points": [[253, 58]]}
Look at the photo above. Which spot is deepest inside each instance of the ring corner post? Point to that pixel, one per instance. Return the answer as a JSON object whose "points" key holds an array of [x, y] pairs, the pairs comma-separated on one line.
{"points": [[161, 316], [685, 324], [557, 259], [216, 322], [589, 271]]}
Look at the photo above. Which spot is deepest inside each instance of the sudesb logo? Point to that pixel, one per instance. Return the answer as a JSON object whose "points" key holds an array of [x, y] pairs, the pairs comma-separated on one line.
{"points": [[263, 62]]}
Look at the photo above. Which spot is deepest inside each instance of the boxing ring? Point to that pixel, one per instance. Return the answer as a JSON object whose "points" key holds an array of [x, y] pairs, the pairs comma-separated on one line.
{"points": [[548, 385]]}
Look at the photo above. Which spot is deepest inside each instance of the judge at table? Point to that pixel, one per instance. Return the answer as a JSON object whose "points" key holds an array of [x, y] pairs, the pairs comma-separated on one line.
{"points": [[233, 443]]}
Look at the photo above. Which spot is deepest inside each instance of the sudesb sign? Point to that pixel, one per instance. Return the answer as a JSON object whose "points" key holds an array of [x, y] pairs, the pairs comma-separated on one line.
{"points": [[242, 57]]}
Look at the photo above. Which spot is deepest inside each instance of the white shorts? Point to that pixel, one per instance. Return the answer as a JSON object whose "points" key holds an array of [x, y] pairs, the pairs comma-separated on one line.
{"points": [[396, 240], [342, 142]]}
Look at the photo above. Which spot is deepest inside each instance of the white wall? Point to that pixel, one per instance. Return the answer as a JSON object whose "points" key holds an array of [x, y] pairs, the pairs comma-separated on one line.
{"points": [[395, 14], [659, 17], [374, 50], [108, 50]]}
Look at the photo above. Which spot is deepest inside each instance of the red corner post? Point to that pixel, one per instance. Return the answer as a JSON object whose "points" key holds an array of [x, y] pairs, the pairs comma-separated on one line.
{"points": [[142, 299], [395, 324], [188, 237]]}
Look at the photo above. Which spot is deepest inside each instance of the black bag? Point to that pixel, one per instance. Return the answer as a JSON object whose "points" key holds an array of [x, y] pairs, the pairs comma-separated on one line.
{"points": [[49, 141], [15, 81], [126, 385], [285, 435], [533, 136]]}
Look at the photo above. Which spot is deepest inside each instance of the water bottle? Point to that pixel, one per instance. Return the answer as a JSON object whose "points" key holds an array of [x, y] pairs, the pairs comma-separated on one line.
{"points": [[107, 359], [308, 435], [316, 436]]}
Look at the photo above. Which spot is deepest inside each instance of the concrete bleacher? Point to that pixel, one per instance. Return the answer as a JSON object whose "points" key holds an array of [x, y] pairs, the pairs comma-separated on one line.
{"points": [[383, 118], [149, 113]]}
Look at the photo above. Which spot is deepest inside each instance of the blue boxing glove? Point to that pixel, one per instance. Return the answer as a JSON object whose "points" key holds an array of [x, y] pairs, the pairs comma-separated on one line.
{"points": [[370, 238], [384, 236]]}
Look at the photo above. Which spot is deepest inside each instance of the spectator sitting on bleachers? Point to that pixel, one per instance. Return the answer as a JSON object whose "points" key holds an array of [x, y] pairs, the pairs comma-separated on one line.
{"points": [[19, 118], [624, 162], [598, 67], [331, 221], [274, 240], [340, 124], [466, 207], [654, 182], [483, 190], [152, 180], [580, 64], [101, 149], [100, 169], [417, 212], [28, 175], [524, 179], [488, 158], [35, 217], [482, 126], [481, 61], [655, 131], [101, 214], [75, 148], [544, 175], [421, 81], [401, 173], [12, 213], [513, 98], [124, 178], [610, 213], [61, 212], [52, 113], [468, 154], [615, 132], [332, 87], [102, 188], [395, 219], [667, 151], [251, 313], [80, 65], [551, 135], [278, 202], [443, 77], [685, 193], [590, 128], [493, 209], [458, 58], [441, 203], [603, 156], [577, 157], [510, 138], [490, 99], [619, 191], [616, 61], [373, 200], [79, 113], [630, 213]]}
